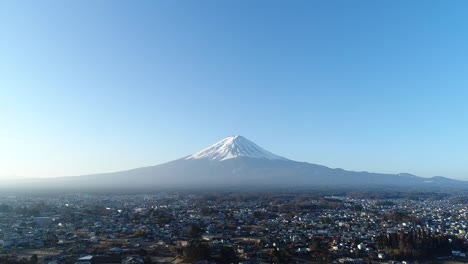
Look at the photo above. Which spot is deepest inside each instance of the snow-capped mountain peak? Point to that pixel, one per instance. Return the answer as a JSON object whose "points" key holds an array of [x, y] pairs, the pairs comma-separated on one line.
{"points": [[234, 147]]}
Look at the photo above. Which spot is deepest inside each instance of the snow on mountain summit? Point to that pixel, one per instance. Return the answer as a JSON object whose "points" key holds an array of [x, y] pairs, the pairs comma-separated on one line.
{"points": [[234, 147]]}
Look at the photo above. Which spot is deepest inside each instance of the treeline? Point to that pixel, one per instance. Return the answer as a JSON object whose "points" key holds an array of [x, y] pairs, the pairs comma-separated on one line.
{"points": [[6, 259], [400, 217], [202, 251], [415, 244], [31, 210], [459, 200], [395, 194]]}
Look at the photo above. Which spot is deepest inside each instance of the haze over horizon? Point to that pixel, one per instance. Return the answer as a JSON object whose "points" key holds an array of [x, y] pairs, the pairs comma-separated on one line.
{"points": [[89, 87]]}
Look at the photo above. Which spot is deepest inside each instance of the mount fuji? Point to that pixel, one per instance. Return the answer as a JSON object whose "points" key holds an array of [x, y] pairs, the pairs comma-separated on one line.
{"points": [[234, 147], [238, 162]]}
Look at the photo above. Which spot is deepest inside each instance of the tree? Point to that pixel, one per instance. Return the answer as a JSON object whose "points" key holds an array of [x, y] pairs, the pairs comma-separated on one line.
{"points": [[147, 260], [34, 259], [228, 255], [196, 252], [194, 231]]}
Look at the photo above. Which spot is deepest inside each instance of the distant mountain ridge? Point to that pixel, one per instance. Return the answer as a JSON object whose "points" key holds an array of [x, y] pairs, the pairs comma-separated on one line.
{"points": [[235, 162]]}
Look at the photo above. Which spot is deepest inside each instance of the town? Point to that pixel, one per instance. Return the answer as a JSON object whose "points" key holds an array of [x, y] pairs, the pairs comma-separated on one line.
{"points": [[233, 227]]}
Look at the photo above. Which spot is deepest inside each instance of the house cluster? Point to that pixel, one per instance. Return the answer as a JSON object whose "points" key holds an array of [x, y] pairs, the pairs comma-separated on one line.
{"points": [[161, 227]]}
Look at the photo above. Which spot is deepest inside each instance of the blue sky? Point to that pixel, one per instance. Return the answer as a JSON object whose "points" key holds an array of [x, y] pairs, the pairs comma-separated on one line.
{"points": [[98, 86]]}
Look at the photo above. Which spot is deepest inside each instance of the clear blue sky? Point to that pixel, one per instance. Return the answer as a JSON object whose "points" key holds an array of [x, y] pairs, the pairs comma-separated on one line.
{"points": [[99, 86]]}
